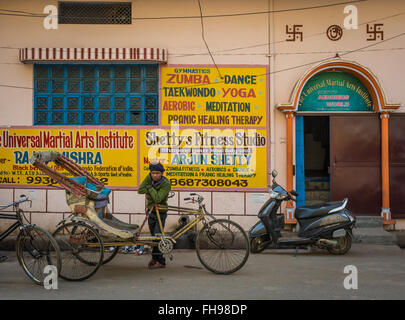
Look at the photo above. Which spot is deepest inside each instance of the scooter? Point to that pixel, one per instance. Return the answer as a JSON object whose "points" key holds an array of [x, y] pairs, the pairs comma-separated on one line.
{"points": [[327, 225]]}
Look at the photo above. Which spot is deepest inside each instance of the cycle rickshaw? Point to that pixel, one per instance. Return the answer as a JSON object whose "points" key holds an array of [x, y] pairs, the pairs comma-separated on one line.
{"points": [[91, 236]]}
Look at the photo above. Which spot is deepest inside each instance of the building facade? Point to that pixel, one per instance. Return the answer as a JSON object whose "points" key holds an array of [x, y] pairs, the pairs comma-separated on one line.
{"points": [[222, 94]]}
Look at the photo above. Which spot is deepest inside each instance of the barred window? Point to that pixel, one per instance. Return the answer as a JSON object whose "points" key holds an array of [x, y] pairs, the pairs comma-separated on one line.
{"points": [[95, 94], [75, 12]]}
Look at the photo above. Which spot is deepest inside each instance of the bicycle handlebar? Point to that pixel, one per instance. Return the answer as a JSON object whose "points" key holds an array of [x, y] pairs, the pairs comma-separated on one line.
{"points": [[199, 197], [25, 198]]}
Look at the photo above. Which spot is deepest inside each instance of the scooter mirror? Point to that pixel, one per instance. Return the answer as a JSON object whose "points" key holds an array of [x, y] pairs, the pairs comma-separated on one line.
{"points": [[294, 193], [274, 173]]}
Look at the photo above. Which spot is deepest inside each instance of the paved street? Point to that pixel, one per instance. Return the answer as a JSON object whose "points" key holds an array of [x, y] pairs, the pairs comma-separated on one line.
{"points": [[270, 275]]}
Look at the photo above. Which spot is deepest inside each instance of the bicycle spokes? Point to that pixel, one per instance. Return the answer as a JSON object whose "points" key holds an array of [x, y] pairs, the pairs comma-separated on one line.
{"points": [[36, 249], [222, 246]]}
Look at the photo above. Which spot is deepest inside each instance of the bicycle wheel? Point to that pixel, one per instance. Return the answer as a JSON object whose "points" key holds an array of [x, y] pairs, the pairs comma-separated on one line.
{"points": [[222, 246], [81, 248], [36, 249], [110, 253]]}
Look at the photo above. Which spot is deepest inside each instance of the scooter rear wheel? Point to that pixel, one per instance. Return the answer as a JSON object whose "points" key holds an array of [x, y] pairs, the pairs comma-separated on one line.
{"points": [[257, 244], [344, 245]]}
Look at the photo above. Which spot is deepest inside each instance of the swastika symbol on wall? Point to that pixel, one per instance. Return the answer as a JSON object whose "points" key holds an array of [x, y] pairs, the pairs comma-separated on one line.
{"points": [[294, 33], [375, 32]]}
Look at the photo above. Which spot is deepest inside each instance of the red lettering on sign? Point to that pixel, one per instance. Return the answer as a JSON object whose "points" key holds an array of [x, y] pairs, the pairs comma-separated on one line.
{"points": [[188, 79], [243, 93]]}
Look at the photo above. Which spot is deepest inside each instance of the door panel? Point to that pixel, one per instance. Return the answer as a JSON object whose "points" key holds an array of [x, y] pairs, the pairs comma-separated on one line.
{"points": [[300, 160], [397, 165], [356, 162]]}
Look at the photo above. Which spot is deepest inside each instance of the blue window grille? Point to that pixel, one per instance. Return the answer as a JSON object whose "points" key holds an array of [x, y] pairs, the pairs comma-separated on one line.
{"points": [[95, 94]]}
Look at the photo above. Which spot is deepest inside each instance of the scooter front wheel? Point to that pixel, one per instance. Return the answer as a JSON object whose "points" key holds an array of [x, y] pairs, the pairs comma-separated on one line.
{"points": [[257, 244]]}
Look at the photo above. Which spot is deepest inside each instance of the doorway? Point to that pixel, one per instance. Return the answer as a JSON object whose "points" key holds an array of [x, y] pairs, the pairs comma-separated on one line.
{"points": [[356, 162], [339, 157], [313, 159]]}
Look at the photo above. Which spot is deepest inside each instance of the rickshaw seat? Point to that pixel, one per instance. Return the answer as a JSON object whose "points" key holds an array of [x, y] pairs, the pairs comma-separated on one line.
{"points": [[101, 199], [92, 192], [116, 223]]}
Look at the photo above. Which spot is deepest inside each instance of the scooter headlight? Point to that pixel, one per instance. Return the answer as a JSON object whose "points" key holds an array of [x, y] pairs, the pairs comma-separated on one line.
{"points": [[273, 194]]}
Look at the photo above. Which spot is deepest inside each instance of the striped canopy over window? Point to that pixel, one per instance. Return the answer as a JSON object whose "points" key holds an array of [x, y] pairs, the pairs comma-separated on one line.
{"points": [[72, 55]]}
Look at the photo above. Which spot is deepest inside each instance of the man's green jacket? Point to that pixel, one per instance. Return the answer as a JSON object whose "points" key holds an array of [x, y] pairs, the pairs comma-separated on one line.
{"points": [[155, 194]]}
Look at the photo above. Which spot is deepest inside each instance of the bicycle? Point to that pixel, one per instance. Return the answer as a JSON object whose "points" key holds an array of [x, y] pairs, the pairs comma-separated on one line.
{"points": [[35, 246]]}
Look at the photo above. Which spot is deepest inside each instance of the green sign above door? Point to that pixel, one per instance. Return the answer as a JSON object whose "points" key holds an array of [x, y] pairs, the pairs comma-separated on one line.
{"points": [[335, 91]]}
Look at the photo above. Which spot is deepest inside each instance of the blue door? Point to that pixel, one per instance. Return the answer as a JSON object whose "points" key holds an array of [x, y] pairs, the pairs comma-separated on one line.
{"points": [[300, 160]]}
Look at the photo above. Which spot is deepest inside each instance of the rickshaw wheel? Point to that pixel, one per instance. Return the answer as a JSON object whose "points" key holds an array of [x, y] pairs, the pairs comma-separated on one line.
{"points": [[222, 246], [109, 254], [81, 248]]}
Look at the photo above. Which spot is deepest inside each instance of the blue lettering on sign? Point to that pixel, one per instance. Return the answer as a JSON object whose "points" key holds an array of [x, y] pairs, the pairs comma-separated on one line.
{"points": [[227, 160], [78, 157], [21, 157], [214, 159], [84, 157], [200, 159]]}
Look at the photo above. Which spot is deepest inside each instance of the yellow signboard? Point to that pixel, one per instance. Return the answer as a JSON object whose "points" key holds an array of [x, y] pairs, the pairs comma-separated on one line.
{"points": [[108, 154], [222, 142], [220, 159], [210, 97], [207, 158]]}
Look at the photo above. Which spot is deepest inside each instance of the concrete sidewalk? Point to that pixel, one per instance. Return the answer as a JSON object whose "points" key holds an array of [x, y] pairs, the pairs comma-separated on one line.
{"points": [[400, 238], [274, 274]]}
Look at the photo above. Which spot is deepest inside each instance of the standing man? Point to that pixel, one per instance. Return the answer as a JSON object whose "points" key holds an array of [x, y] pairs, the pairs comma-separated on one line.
{"points": [[157, 188]]}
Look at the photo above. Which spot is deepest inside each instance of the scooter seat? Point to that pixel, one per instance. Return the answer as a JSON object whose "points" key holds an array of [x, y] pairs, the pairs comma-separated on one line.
{"points": [[316, 210]]}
